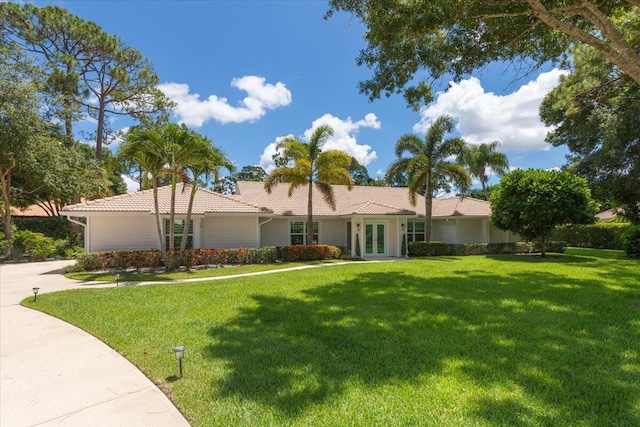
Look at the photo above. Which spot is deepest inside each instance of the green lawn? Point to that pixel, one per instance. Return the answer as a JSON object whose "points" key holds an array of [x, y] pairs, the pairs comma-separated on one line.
{"points": [[448, 341], [192, 274]]}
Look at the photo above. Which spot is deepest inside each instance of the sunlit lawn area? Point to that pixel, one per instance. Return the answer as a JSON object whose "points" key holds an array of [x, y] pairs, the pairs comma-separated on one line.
{"points": [[453, 341]]}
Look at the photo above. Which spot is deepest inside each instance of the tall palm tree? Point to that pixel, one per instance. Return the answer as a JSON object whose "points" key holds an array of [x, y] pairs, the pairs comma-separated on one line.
{"points": [[205, 160], [482, 159], [140, 147], [427, 167], [310, 166]]}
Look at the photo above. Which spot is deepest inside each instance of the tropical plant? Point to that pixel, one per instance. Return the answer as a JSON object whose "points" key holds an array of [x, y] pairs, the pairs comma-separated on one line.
{"points": [[427, 168], [482, 160], [307, 165], [142, 146], [204, 159]]}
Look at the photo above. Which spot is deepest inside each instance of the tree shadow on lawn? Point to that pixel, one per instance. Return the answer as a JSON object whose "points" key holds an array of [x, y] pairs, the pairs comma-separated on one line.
{"points": [[536, 333]]}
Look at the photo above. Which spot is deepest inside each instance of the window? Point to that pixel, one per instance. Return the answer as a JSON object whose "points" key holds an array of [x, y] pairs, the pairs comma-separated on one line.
{"points": [[298, 232], [177, 234], [415, 231]]}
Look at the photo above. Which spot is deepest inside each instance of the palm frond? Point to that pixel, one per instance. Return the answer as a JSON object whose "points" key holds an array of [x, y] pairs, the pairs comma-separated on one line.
{"points": [[328, 194], [409, 143]]}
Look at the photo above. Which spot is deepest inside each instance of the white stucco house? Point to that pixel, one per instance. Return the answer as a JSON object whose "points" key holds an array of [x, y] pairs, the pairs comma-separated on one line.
{"points": [[252, 219]]}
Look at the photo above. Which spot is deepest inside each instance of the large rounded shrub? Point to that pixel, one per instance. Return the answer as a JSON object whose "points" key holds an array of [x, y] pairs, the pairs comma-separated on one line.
{"points": [[631, 242]]}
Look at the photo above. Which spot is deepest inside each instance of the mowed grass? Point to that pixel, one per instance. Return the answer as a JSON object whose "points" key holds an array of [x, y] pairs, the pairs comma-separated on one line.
{"points": [[450, 341], [132, 276]]}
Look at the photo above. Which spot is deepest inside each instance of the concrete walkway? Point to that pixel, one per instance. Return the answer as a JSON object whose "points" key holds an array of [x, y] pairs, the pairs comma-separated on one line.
{"points": [[53, 373]]}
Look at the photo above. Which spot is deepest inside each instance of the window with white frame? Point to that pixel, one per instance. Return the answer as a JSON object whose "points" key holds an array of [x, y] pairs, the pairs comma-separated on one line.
{"points": [[177, 234], [298, 232], [415, 231]]}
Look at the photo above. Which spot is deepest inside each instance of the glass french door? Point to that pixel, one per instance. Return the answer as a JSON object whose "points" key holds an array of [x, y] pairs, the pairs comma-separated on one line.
{"points": [[374, 239]]}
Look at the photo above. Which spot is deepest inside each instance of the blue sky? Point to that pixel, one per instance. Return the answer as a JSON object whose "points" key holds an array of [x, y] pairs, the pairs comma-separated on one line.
{"points": [[244, 73]]}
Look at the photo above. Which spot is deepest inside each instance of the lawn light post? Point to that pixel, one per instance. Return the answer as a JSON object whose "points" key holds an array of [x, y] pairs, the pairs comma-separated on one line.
{"points": [[35, 294], [179, 353], [117, 280]]}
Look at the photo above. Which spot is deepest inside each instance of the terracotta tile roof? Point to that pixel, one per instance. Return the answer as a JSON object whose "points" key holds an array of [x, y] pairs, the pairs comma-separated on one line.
{"points": [[205, 201], [460, 206], [361, 200], [252, 198]]}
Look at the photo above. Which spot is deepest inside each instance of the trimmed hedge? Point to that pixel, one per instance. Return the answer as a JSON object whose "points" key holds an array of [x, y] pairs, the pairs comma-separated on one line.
{"points": [[309, 252], [55, 226], [602, 235], [123, 260], [631, 242], [417, 249]]}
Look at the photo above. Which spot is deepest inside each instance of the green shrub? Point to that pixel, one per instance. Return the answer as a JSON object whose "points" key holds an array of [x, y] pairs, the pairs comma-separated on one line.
{"points": [[309, 252], [431, 249], [601, 235], [89, 262], [55, 227], [37, 245], [630, 241]]}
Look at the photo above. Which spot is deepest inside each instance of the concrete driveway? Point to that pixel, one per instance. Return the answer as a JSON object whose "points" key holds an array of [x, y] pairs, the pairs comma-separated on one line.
{"points": [[53, 373]]}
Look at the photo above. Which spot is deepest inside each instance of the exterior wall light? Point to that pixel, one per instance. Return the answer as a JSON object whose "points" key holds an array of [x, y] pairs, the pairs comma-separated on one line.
{"points": [[402, 227], [179, 353], [358, 227], [35, 294]]}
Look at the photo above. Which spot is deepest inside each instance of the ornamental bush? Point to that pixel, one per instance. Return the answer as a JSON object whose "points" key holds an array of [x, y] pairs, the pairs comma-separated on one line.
{"points": [[124, 260], [309, 252], [37, 245], [630, 241]]}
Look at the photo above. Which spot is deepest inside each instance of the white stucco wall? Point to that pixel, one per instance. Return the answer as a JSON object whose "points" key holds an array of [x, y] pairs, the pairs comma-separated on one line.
{"points": [[443, 231], [121, 233], [472, 231], [275, 233], [332, 232], [229, 232]]}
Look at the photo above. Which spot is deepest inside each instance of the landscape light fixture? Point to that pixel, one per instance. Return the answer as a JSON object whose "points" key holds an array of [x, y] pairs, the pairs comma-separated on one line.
{"points": [[179, 353], [35, 294], [117, 280]]}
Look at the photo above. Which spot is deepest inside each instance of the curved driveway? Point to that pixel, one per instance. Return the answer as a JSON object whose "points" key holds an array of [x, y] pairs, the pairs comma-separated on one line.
{"points": [[53, 373]]}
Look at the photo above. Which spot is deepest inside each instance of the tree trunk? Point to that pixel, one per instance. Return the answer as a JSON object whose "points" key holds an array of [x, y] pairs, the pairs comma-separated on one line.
{"points": [[100, 133], [542, 248], [185, 229], [5, 179], [163, 249], [310, 214], [68, 123], [428, 204]]}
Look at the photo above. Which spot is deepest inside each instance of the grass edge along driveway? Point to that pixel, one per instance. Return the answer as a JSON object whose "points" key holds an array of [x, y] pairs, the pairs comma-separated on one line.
{"points": [[481, 340]]}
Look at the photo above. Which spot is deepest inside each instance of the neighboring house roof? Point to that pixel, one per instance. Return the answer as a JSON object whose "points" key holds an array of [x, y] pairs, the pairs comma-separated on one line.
{"points": [[610, 213], [30, 211], [361, 200], [205, 201]]}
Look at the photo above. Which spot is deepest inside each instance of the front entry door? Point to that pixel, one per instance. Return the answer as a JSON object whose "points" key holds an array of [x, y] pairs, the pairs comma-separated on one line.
{"points": [[374, 239]]}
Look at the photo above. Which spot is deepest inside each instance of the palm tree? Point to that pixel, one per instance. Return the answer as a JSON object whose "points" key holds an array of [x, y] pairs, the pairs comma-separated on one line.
{"points": [[482, 159], [140, 147], [207, 160], [309, 165], [427, 167]]}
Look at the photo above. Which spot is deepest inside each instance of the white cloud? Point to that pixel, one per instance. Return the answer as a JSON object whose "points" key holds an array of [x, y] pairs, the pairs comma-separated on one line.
{"points": [[261, 96], [484, 116], [343, 139], [266, 159], [132, 186]]}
